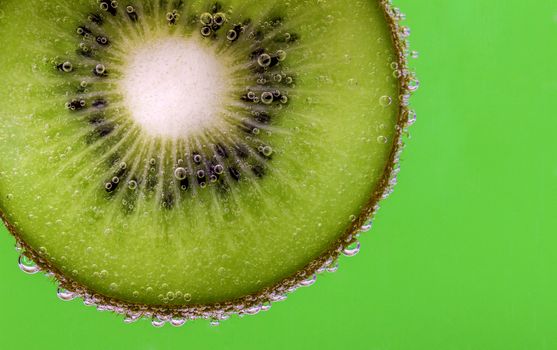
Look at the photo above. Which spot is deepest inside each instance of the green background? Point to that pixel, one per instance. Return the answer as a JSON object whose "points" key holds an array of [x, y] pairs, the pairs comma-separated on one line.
{"points": [[462, 256]]}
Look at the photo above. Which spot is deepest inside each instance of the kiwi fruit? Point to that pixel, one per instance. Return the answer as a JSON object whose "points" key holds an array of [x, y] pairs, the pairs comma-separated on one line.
{"points": [[182, 159]]}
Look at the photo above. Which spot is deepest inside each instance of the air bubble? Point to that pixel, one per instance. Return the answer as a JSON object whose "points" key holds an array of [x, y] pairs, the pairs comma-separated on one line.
{"points": [[114, 4], [152, 161], [264, 60], [219, 169], [104, 6], [116, 179], [27, 265], [130, 9], [100, 69], [200, 174], [108, 186], [67, 67], [177, 322], [267, 97], [289, 80], [206, 19], [197, 158], [277, 78], [281, 55], [385, 101], [352, 249], [65, 295], [219, 19], [206, 31], [284, 99], [412, 116], [267, 151], [232, 35], [132, 184], [187, 297], [180, 173], [382, 139], [251, 95]]}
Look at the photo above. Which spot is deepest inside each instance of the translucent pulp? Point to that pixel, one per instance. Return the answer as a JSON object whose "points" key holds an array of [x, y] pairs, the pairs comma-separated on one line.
{"points": [[174, 87]]}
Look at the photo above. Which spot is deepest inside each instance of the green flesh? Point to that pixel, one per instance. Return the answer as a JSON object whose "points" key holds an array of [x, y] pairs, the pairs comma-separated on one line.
{"points": [[333, 143]]}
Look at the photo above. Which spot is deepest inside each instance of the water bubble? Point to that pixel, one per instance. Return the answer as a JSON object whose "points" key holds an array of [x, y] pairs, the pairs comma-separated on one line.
{"points": [[100, 69], [67, 67], [65, 295], [382, 139], [215, 323], [206, 31], [180, 173], [27, 265], [267, 151], [219, 18], [385, 101], [333, 267], [132, 184], [367, 226], [219, 169], [157, 322], [414, 54], [412, 117], [232, 35], [352, 249], [281, 55], [264, 60], [308, 282], [177, 322], [206, 19], [187, 296], [267, 97]]}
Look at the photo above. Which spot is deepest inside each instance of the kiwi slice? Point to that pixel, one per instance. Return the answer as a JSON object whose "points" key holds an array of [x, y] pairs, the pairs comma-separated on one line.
{"points": [[178, 159]]}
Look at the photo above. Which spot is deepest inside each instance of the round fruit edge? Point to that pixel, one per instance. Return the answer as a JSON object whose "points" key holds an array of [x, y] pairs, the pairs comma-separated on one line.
{"points": [[252, 304]]}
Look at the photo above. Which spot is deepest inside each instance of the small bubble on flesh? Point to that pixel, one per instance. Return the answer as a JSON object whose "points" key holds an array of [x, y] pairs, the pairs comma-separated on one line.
{"points": [[180, 173], [264, 60], [267, 97], [385, 101]]}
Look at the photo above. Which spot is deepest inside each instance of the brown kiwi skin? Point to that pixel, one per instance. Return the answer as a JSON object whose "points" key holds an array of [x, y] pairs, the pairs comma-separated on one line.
{"points": [[188, 312]]}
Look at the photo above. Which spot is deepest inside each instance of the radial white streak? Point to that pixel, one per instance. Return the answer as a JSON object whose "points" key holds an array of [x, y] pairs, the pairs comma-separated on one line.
{"points": [[175, 87]]}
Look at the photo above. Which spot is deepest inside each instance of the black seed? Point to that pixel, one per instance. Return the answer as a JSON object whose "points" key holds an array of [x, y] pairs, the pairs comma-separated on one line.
{"points": [[96, 119], [216, 7], [104, 129], [221, 151], [258, 171], [242, 151], [133, 16], [96, 18], [274, 61], [151, 182], [168, 200], [85, 52], [256, 53], [276, 21], [108, 7], [185, 184], [178, 4], [201, 180], [76, 105], [82, 30], [259, 35], [246, 126], [234, 173], [263, 118], [100, 103]]}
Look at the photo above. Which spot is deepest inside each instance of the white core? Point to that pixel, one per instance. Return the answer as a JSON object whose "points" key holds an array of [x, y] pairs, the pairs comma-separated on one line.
{"points": [[174, 87]]}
